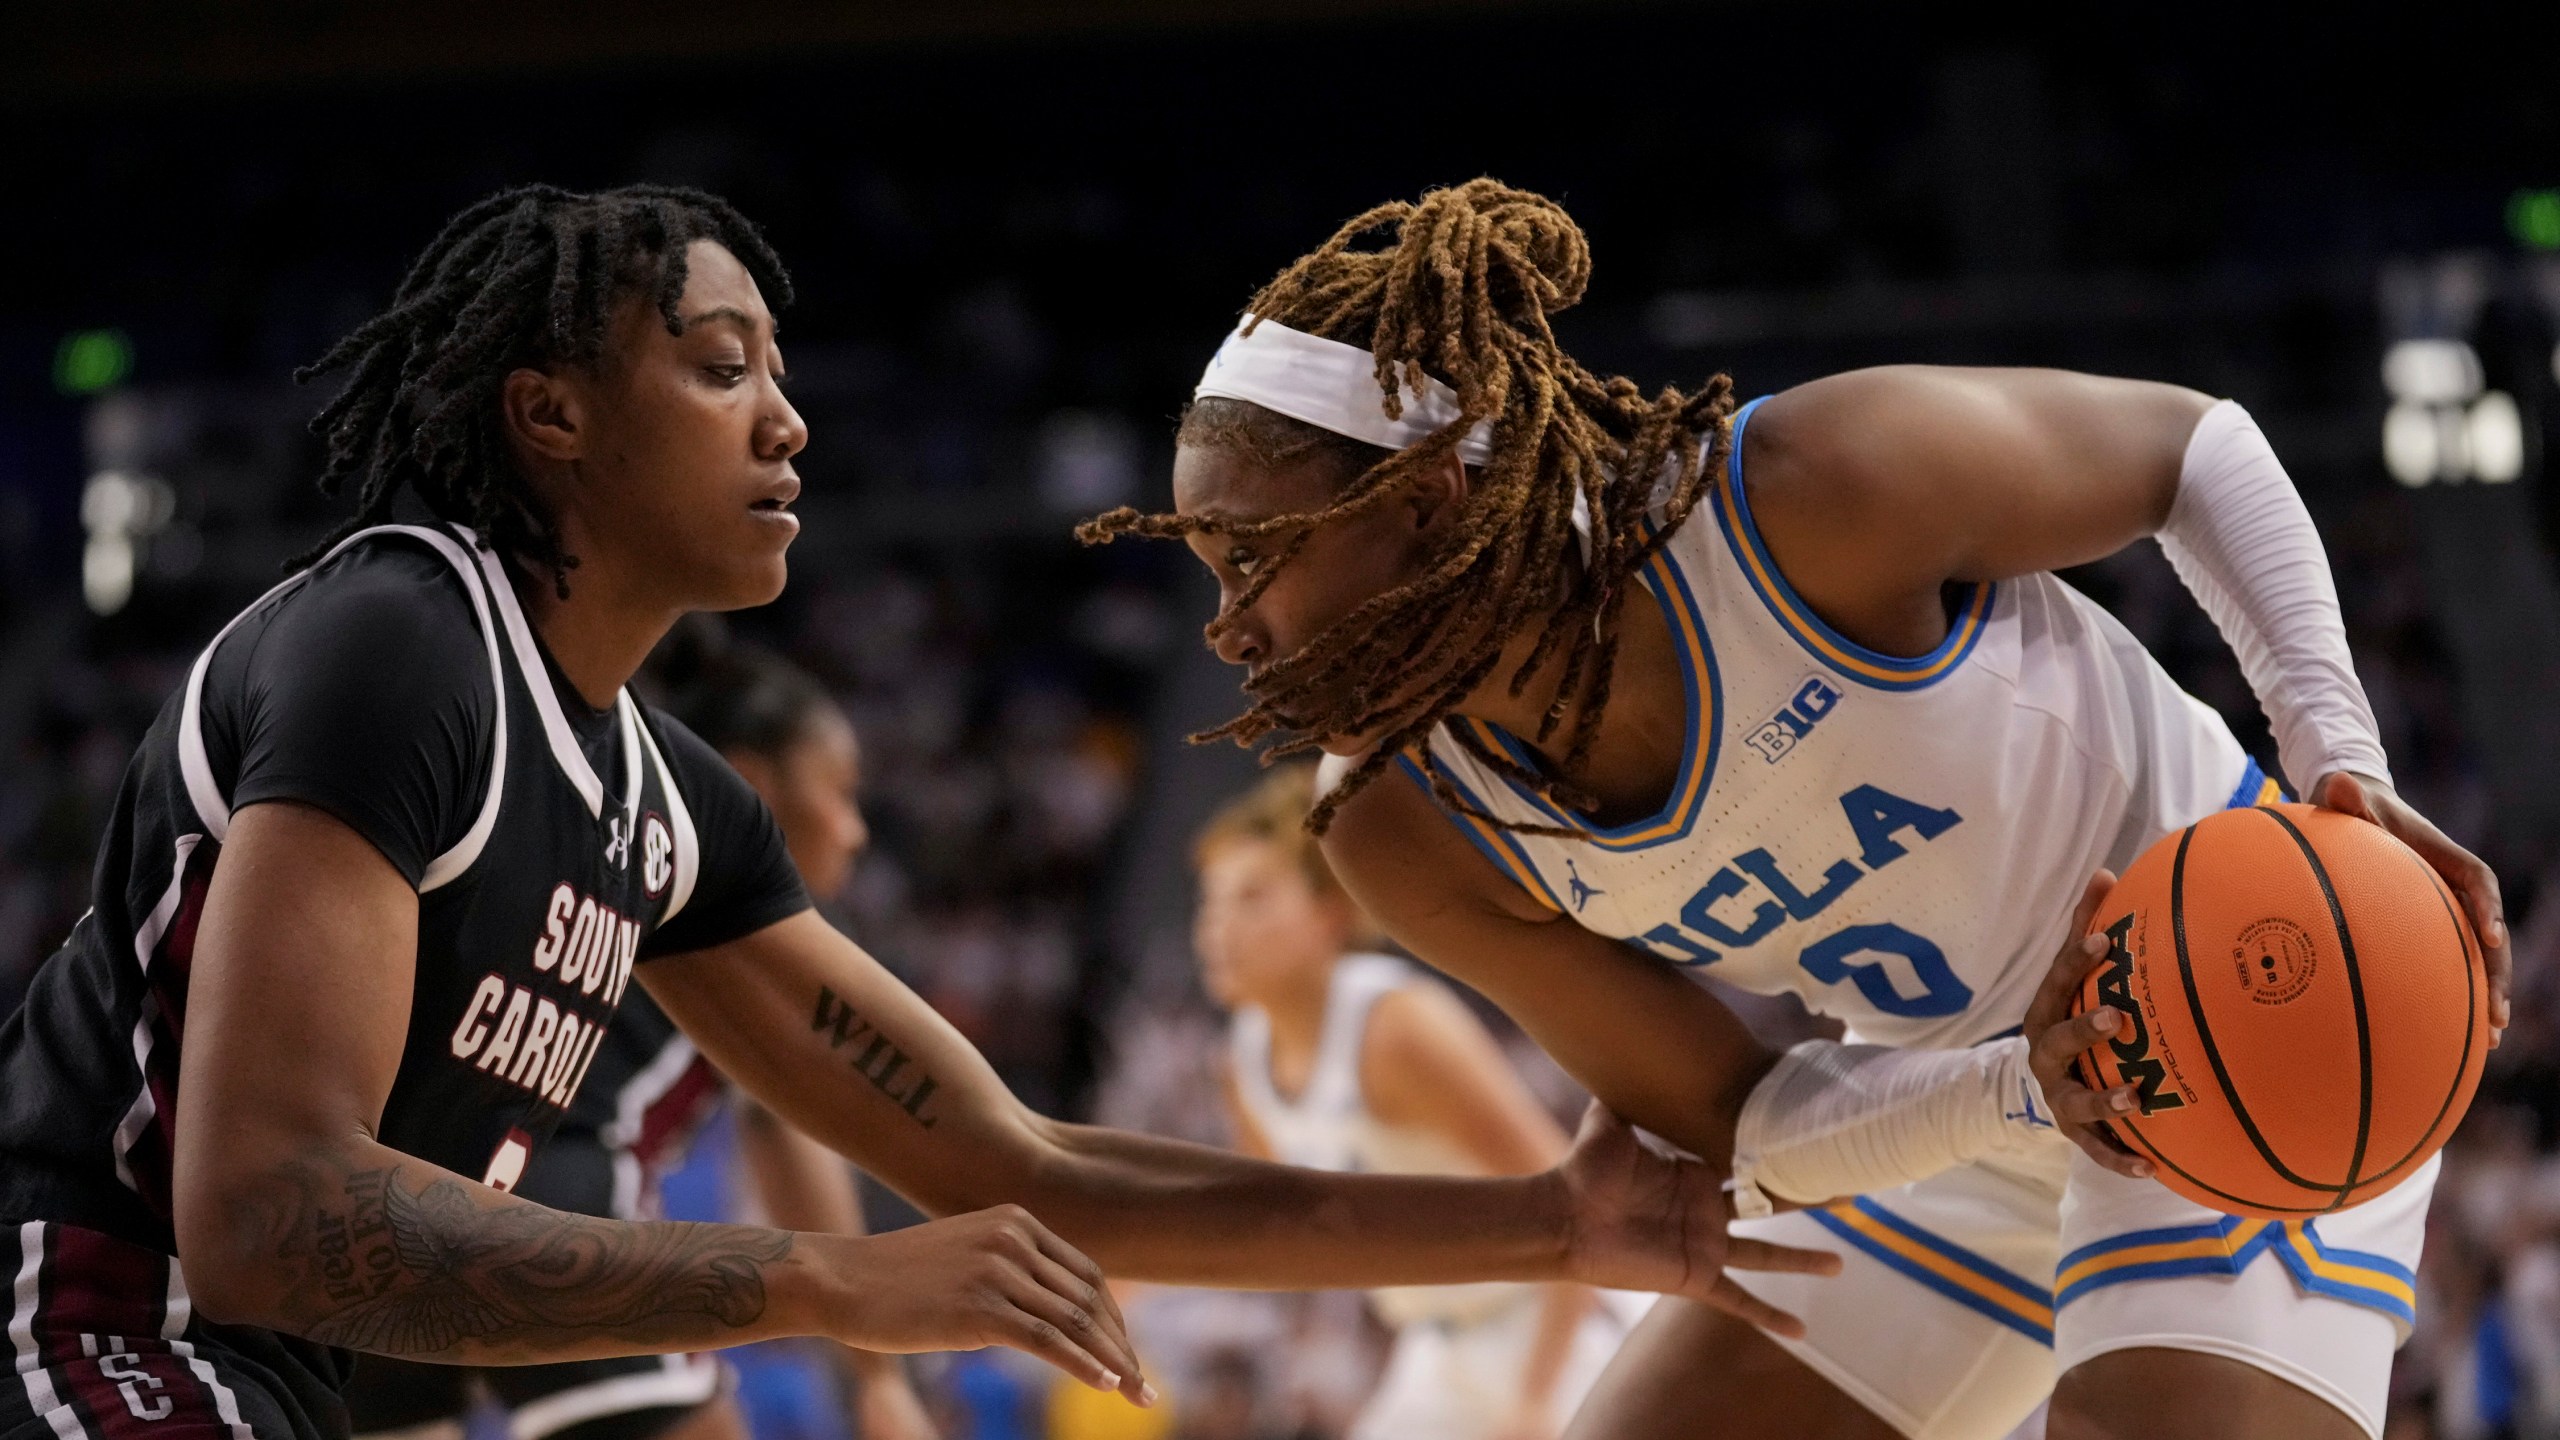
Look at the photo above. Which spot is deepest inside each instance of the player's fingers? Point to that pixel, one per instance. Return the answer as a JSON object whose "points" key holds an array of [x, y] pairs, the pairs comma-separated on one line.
{"points": [[1734, 1300], [2054, 1049], [1076, 1263], [2092, 895], [1096, 1303], [2477, 884], [2339, 791], [2062, 981], [2072, 963], [1045, 1324], [2093, 1143], [1742, 1253], [2076, 1104]]}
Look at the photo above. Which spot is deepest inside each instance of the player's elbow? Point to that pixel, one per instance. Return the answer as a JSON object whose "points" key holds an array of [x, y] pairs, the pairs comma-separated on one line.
{"points": [[231, 1223]]}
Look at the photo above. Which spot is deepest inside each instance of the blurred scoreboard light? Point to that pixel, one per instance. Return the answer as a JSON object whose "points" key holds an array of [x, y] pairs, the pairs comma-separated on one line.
{"points": [[2444, 423], [120, 512], [2468, 376], [2470, 362]]}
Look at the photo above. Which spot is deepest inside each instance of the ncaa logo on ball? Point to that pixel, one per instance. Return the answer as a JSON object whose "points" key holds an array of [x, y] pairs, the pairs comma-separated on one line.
{"points": [[657, 855], [2275, 960], [2145, 1071]]}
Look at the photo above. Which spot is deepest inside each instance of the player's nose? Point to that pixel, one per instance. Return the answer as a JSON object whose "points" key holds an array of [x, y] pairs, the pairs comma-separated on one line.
{"points": [[781, 433], [1242, 643]]}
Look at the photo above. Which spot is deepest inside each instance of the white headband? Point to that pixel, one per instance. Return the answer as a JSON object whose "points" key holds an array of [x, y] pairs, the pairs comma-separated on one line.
{"points": [[1335, 387]]}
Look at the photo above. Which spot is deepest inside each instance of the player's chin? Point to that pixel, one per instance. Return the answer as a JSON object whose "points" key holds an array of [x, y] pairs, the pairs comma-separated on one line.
{"points": [[744, 581]]}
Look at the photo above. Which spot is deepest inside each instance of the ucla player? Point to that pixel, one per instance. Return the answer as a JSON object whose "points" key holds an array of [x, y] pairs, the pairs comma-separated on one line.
{"points": [[1628, 687], [381, 873], [1350, 1061]]}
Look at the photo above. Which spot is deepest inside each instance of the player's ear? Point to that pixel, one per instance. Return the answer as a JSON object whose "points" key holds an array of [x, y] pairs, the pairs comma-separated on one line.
{"points": [[543, 413], [1433, 501]]}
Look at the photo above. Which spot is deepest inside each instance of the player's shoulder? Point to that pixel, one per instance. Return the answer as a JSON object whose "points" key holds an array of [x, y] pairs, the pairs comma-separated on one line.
{"points": [[1402, 855], [395, 591], [1840, 430]]}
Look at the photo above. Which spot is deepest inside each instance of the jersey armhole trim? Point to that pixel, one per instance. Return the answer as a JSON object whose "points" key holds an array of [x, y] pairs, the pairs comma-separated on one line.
{"points": [[195, 765], [679, 820], [445, 868], [1499, 846], [1868, 667]]}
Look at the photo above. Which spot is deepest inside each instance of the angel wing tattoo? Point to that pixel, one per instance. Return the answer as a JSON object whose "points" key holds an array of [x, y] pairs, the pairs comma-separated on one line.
{"points": [[425, 1272]]}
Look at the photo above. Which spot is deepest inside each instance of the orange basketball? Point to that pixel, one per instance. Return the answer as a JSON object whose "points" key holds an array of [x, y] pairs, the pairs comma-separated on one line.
{"points": [[2310, 1010]]}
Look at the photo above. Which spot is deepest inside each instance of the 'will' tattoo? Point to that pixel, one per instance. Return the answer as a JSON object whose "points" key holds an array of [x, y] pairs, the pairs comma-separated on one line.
{"points": [[434, 1272], [875, 1057]]}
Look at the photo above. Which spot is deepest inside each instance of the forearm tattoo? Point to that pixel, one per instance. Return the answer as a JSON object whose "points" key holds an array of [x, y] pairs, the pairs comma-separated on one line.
{"points": [[891, 1071], [382, 1264]]}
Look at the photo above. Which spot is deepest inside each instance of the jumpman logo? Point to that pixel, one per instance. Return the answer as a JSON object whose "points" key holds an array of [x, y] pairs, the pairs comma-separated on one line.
{"points": [[2032, 1115], [1581, 893]]}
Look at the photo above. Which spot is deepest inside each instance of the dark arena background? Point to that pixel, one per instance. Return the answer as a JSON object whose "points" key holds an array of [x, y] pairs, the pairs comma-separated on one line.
{"points": [[1019, 226]]}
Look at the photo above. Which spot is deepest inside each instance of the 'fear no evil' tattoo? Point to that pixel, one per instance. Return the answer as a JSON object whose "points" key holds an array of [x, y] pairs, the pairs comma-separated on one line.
{"points": [[384, 1264]]}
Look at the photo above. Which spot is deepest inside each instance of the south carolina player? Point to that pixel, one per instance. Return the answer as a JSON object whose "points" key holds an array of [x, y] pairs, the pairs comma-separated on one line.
{"points": [[1346, 1060], [379, 875], [650, 1091], [1790, 695]]}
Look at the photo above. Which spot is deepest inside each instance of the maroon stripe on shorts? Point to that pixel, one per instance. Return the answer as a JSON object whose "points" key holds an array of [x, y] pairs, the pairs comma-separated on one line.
{"points": [[98, 1324], [99, 1285]]}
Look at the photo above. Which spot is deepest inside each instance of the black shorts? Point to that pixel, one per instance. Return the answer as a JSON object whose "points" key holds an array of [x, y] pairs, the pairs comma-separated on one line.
{"points": [[105, 1345], [634, 1398]]}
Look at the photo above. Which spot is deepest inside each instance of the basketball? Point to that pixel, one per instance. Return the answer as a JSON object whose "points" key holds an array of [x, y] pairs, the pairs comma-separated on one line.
{"points": [[2309, 1010]]}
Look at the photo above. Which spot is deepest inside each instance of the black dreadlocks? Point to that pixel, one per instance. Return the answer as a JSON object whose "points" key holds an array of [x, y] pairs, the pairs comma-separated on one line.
{"points": [[528, 277]]}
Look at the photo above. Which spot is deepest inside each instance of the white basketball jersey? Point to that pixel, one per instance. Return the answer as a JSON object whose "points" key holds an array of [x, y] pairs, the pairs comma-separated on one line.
{"points": [[1328, 1125], [1897, 841]]}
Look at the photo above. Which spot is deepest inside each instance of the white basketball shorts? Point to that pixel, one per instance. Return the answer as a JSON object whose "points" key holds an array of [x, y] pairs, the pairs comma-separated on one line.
{"points": [[1963, 1297]]}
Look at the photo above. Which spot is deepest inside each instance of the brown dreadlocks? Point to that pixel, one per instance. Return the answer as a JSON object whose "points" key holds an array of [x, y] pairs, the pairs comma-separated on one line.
{"points": [[1462, 292]]}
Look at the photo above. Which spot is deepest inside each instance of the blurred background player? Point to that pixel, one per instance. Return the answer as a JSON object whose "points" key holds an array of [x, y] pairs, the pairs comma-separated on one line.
{"points": [[650, 1093], [1346, 1059]]}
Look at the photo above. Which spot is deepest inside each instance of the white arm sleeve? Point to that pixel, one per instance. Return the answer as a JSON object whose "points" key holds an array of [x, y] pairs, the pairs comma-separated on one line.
{"points": [[1836, 1120], [2240, 538]]}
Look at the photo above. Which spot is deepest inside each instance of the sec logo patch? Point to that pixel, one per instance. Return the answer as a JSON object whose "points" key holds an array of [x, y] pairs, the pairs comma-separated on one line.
{"points": [[657, 855]]}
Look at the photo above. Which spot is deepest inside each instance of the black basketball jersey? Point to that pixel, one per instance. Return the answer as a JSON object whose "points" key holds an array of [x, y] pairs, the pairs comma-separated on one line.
{"points": [[648, 1093], [398, 686]]}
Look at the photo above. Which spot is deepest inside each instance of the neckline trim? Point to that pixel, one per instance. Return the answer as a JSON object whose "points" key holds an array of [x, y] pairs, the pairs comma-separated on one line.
{"points": [[1702, 737], [566, 752]]}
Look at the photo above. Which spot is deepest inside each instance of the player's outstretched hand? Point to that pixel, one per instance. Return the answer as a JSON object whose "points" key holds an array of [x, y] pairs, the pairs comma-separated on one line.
{"points": [[1646, 1220], [2055, 1037], [2370, 799], [993, 1277]]}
